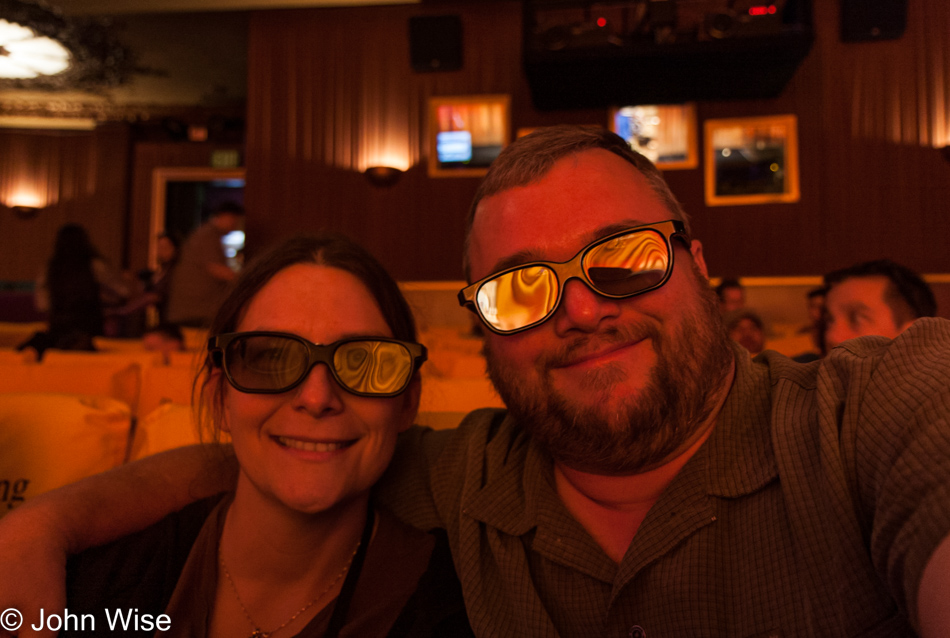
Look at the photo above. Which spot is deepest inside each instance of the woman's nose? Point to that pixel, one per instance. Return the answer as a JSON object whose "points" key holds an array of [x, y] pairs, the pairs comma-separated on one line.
{"points": [[319, 393]]}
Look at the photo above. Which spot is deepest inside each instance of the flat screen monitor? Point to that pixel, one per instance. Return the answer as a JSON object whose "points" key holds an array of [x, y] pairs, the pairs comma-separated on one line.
{"points": [[467, 133]]}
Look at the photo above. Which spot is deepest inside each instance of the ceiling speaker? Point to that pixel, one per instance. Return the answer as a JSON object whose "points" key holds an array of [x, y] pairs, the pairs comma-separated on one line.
{"points": [[865, 20], [435, 43]]}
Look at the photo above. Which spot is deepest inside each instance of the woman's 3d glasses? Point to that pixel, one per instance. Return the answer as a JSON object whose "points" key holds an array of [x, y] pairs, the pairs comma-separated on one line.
{"points": [[273, 362], [628, 263]]}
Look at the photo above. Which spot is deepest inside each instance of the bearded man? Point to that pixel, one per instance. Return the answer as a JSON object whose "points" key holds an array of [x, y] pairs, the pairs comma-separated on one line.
{"points": [[648, 478]]}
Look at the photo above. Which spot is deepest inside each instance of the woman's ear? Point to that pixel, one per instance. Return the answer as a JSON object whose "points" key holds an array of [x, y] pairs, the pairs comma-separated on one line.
{"points": [[217, 384], [411, 396]]}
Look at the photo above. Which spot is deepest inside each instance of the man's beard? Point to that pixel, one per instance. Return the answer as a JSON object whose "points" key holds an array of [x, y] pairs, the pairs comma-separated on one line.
{"points": [[631, 434]]}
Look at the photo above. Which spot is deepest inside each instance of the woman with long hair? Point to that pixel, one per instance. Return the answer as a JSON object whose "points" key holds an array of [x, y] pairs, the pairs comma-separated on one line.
{"points": [[312, 371]]}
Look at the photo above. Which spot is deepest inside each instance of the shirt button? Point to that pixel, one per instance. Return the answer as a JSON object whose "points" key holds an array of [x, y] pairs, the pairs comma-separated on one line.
{"points": [[636, 632]]}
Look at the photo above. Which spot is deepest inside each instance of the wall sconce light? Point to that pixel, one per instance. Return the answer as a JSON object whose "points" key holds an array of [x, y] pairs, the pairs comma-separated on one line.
{"points": [[382, 176], [25, 212]]}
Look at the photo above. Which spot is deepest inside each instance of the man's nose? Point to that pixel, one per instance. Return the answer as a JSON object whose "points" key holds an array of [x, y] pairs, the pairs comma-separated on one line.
{"points": [[583, 309]]}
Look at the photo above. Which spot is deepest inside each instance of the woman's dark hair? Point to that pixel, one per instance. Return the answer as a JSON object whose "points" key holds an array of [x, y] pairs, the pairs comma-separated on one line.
{"points": [[324, 249], [72, 248], [73, 290]]}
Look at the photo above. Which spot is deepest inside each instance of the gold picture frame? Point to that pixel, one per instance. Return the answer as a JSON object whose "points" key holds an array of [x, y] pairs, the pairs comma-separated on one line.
{"points": [[466, 133], [751, 160], [664, 133]]}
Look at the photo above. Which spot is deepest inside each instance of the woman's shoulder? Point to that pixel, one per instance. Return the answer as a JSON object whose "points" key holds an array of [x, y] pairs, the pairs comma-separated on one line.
{"points": [[137, 569]]}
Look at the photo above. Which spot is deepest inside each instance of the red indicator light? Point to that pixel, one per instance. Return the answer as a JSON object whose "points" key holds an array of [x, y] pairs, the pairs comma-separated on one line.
{"points": [[758, 11], [601, 22], [771, 9]]}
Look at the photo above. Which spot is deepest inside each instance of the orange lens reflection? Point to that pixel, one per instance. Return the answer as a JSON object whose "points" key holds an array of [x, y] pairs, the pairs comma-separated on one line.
{"points": [[628, 264], [518, 298]]}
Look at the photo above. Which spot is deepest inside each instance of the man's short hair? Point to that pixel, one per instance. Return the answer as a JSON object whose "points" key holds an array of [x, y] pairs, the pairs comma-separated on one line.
{"points": [[227, 207], [530, 158], [907, 294], [725, 284]]}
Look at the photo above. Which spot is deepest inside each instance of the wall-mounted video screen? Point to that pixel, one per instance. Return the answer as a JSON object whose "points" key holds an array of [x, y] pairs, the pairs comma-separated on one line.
{"points": [[664, 133], [466, 133]]}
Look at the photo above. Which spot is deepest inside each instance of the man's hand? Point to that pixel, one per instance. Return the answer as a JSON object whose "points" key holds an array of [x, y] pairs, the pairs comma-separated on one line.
{"points": [[32, 572]]}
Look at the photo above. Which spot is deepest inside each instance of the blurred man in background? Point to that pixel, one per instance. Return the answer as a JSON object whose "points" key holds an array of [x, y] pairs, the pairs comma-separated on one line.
{"points": [[874, 298]]}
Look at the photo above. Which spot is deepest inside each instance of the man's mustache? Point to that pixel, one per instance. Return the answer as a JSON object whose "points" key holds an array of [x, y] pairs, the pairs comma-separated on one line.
{"points": [[584, 346]]}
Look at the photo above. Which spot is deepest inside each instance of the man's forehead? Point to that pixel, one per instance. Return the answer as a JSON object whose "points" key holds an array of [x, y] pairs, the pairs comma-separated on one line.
{"points": [[854, 290], [582, 198]]}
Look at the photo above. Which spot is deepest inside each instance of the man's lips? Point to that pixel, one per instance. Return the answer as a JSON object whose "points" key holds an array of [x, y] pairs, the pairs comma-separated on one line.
{"points": [[307, 445], [596, 355]]}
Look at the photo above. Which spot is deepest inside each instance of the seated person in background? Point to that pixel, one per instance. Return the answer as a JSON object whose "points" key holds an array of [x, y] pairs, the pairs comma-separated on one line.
{"points": [[874, 298], [747, 329], [731, 295], [200, 279], [164, 338], [155, 286], [298, 547]]}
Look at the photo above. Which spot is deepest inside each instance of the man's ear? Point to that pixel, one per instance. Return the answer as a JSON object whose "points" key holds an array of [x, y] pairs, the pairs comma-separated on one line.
{"points": [[696, 250]]}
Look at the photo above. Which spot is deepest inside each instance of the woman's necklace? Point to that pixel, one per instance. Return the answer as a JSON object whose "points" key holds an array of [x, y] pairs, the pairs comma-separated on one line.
{"points": [[260, 633]]}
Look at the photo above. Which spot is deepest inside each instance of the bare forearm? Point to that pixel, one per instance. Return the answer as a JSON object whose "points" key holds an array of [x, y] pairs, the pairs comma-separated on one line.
{"points": [[107, 506], [36, 537]]}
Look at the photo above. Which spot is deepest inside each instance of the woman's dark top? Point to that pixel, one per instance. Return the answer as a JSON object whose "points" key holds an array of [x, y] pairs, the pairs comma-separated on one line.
{"points": [[407, 586]]}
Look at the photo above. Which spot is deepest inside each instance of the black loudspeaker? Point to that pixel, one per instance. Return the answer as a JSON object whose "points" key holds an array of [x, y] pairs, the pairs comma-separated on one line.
{"points": [[864, 20], [435, 43]]}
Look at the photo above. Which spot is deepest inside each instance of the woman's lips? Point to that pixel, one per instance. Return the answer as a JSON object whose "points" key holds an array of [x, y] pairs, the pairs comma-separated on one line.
{"points": [[305, 445]]}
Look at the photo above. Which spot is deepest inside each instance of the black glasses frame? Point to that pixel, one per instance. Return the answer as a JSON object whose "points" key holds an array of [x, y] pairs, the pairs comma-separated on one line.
{"points": [[573, 268], [316, 353]]}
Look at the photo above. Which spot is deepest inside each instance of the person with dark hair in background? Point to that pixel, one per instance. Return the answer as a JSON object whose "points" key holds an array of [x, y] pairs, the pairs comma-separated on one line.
{"points": [[158, 284], [201, 277], [877, 297], [746, 328], [73, 290], [731, 295]]}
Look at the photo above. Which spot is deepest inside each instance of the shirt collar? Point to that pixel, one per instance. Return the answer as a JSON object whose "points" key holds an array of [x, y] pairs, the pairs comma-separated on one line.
{"points": [[738, 455]]}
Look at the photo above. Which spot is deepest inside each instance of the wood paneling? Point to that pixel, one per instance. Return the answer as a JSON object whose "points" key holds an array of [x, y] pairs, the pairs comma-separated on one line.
{"points": [[331, 88], [82, 179]]}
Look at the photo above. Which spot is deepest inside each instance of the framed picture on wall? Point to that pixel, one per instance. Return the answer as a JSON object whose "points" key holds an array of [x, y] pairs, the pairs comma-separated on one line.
{"points": [[751, 160], [466, 133], [664, 133]]}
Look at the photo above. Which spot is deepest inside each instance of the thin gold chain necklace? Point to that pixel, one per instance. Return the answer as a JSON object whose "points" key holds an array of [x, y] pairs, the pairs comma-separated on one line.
{"points": [[260, 633]]}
